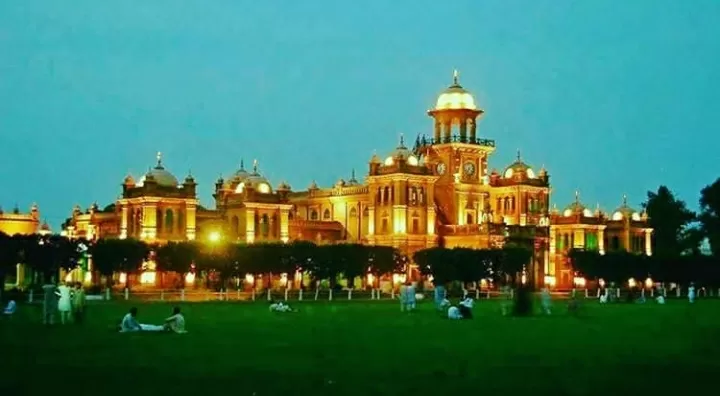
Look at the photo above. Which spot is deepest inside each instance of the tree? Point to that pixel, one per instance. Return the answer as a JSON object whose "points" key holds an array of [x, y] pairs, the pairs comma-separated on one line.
{"points": [[437, 262], [177, 257], [9, 254], [381, 260], [119, 255], [589, 263], [513, 261], [669, 217], [710, 215]]}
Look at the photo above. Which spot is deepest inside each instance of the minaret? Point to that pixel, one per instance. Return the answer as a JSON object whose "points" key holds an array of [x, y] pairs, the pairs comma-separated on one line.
{"points": [[455, 108]]}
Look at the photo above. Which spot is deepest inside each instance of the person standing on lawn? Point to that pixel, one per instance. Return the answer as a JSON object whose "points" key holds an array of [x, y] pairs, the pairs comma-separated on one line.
{"points": [[78, 303]]}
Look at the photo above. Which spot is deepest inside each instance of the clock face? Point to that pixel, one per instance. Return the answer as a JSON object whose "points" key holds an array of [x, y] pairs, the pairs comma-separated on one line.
{"points": [[441, 168], [469, 168]]}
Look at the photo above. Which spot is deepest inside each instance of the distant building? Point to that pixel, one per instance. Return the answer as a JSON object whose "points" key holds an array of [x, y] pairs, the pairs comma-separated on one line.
{"points": [[15, 222], [439, 191]]}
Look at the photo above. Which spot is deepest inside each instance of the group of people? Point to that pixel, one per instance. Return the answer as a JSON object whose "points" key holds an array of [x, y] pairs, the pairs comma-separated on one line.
{"points": [[175, 323], [606, 296], [463, 310], [66, 299]]}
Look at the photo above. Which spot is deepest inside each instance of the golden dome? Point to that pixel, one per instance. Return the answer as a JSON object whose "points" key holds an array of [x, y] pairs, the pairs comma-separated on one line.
{"points": [[625, 211], [159, 175], [455, 97], [401, 153], [519, 168], [577, 208]]}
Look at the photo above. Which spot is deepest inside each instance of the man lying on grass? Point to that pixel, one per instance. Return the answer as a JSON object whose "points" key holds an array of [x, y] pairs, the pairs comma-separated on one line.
{"points": [[130, 323]]}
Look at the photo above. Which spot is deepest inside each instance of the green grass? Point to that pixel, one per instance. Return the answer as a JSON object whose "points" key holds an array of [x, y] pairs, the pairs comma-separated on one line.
{"points": [[365, 348]]}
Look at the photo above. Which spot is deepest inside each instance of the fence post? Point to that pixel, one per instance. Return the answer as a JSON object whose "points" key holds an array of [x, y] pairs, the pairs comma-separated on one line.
{"points": [[300, 294], [617, 292], [477, 293], [677, 291], [317, 292], [488, 293], [587, 295], [182, 294], [392, 294], [30, 296], [269, 296], [162, 295], [652, 292], [253, 294], [127, 294], [331, 290], [107, 293], [349, 294], [238, 294], [286, 294], [642, 293], [512, 293]]}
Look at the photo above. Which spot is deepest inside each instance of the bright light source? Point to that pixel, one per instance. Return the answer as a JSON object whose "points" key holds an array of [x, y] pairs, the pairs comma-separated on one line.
{"points": [[579, 281], [249, 278], [602, 282], [189, 278], [147, 278], [649, 283], [399, 278], [214, 236], [631, 282], [550, 280], [370, 279]]}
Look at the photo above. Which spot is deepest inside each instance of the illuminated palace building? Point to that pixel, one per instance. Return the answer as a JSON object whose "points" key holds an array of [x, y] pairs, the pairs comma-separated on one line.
{"points": [[439, 191]]}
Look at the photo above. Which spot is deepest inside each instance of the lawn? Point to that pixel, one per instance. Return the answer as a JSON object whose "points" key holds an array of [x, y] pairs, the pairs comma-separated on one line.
{"points": [[368, 348]]}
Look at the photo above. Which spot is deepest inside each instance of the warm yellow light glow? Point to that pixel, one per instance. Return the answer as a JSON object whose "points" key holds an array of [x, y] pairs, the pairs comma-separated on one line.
{"points": [[649, 283], [370, 279], [567, 213], [88, 277], [399, 278], [508, 173], [602, 282], [483, 283], [123, 277], [214, 236], [617, 216], [189, 278], [431, 278], [635, 216], [264, 188], [284, 239], [587, 213], [455, 100], [63, 233], [249, 278], [579, 281], [68, 277], [530, 173], [523, 279], [148, 278], [631, 282], [240, 188], [388, 161], [412, 160], [283, 279], [550, 280]]}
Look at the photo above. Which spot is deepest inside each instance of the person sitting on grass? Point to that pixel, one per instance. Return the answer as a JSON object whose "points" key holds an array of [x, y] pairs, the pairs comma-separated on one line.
{"points": [[176, 322], [454, 313], [660, 299], [10, 308], [280, 307], [130, 323], [465, 308]]}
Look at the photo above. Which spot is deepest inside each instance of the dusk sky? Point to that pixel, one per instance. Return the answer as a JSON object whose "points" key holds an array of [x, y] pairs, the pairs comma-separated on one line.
{"points": [[612, 97]]}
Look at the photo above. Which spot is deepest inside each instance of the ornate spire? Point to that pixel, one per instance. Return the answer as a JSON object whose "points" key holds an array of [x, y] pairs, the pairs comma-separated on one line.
{"points": [[159, 159], [455, 77], [624, 199], [255, 166], [242, 164], [577, 196], [518, 155], [402, 140], [352, 175]]}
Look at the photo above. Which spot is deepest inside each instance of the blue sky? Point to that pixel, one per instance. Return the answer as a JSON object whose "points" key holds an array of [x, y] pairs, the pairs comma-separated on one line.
{"points": [[612, 97]]}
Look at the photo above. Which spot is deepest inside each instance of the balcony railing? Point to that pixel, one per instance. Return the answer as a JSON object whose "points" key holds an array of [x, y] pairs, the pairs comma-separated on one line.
{"points": [[423, 141]]}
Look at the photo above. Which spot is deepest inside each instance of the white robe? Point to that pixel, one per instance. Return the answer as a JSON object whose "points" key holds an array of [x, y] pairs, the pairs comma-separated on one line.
{"points": [[64, 304], [280, 307], [691, 294], [454, 313]]}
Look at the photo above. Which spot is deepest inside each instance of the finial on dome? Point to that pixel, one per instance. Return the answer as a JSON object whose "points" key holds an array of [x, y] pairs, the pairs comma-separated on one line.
{"points": [[352, 174], [242, 164], [159, 159], [455, 77], [624, 199], [255, 166], [402, 139], [577, 196]]}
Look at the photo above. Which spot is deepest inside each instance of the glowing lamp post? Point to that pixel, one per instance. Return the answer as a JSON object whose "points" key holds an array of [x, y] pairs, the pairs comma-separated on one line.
{"points": [[649, 283], [602, 283], [632, 283]]}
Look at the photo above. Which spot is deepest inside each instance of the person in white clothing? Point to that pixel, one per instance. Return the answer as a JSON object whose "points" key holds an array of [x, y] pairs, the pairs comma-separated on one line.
{"points": [[454, 313], [130, 324], [10, 308], [280, 307], [660, 299], [465, 307], [64, 303], [691, 293], [545, 300], [176, 322]]}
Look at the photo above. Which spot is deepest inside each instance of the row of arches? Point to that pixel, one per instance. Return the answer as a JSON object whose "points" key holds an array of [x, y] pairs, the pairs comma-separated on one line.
{"points": [[168, 221], [266, 226], [415, 195]]}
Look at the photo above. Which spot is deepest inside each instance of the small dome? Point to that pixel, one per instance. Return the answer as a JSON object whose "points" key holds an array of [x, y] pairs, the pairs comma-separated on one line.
{"points": [[625, 212], [159, 175], [519, 167], [129, 180], [313, 186], [353, 181], [455, 97], [375, 159], [189, 179], [241, 174], [283, 187], [401, 153], [576, 208]]}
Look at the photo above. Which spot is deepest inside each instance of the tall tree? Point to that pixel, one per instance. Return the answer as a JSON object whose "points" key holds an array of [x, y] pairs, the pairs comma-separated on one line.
{"points": [[710, 215], [669, 217], [119, 255]]}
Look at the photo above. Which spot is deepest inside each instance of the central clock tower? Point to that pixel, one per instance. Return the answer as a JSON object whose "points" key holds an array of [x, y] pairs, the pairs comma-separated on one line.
{"points": [[459, 157]]}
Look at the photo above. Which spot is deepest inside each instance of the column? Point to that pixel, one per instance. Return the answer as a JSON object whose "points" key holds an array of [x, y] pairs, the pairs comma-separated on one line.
{"points": [[462, 202], [438, 131], [447, 132], [648, 242], [190, 210], [371, 220], [553, 244], [124, 222], [284, 228], [601, 240], [250, 225], [473, 130]]}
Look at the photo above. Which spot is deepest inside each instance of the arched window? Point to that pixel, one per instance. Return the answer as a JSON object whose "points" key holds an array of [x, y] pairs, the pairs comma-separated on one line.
{"points": [[353, 212], [615, 244], [326, 214], [366, 212], [290, 215], [264, 226], [273, 225], [169, 223], [235, 225], [469, 218], [159, 220], [313, 215]]}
